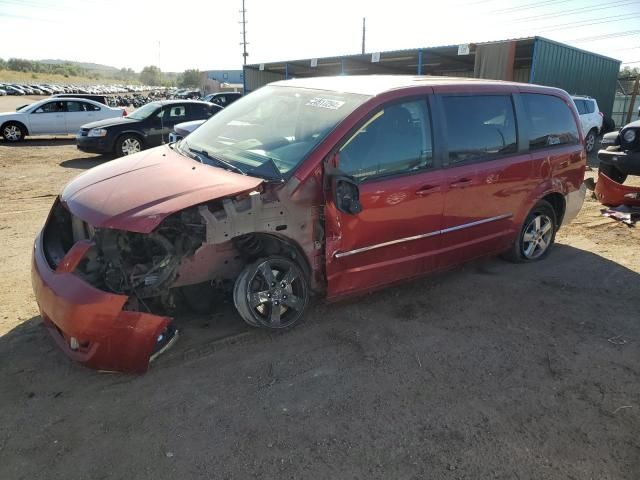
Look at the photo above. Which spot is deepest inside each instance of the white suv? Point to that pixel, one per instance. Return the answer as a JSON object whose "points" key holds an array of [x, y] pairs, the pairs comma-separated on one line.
{"points": [[591, 119]]}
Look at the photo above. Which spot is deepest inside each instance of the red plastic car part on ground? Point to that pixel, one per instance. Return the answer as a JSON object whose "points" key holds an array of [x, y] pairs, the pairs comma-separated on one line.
{"points": [[89, 325], [613, 194]]}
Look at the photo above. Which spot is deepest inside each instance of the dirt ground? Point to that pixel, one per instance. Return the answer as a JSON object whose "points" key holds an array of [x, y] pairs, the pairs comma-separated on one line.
{"points": [[493, 370]]}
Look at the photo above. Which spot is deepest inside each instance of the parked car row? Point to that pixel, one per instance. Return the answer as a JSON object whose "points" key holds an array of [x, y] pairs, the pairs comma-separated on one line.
{"points": [[50, 89]]}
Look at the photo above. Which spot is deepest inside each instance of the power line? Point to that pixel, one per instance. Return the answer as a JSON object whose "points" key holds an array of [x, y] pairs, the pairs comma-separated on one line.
{"points": [[528, 6], [605, 36], [585, 23], [619, 3]]}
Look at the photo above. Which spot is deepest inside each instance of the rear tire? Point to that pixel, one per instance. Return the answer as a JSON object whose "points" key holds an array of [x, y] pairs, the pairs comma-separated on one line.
{"points": [[612, 172], [13, 132], [590, 141], [537, 235]]}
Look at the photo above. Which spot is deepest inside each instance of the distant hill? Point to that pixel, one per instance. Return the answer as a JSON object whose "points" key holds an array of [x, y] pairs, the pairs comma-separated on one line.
{"points": [[93, 67]]}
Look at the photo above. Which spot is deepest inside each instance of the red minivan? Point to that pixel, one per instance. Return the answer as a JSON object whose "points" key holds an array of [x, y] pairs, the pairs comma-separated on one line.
{"points": [[327, 186]]}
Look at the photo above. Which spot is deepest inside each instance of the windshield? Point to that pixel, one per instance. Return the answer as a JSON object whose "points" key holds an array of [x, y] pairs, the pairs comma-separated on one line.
{"points": [[144, 112], [273, 127]]}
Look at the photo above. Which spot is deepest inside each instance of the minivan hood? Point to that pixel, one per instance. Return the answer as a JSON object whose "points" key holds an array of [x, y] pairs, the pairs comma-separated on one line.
{"points": [[135, 193]]}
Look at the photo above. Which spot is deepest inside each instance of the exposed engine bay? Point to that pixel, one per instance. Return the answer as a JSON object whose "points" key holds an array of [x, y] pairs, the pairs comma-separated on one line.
{"points": [[142, 265]]}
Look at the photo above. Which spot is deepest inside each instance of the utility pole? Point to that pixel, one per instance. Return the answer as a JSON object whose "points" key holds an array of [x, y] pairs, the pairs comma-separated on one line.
{"points": [[244, 34], [634, 94], [364, 29]]}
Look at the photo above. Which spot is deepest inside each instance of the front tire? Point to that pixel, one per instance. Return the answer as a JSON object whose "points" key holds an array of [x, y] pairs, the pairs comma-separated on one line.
{"points": [[612, 172], [537, 235], [271, 293], [13, 132], [128, 145]]}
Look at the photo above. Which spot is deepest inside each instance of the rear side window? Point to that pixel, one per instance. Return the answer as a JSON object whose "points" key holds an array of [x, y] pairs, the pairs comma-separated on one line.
{"points": [[479, 127], [397, 139], [580, 106], [551, 122], [590, 106]]}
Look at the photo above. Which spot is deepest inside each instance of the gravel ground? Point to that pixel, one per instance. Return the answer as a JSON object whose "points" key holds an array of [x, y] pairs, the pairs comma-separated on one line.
{"points": [[493, 370]]}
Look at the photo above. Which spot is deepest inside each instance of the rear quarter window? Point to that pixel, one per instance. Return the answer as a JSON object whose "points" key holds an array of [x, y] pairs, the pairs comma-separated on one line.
{"points": [[551, 122]]}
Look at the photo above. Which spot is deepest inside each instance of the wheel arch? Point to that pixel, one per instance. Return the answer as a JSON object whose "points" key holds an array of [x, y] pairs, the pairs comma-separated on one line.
{"points": [[255, 245]]}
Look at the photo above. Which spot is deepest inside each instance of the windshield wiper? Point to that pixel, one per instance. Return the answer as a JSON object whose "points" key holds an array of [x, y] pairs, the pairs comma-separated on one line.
{"points": [[207, 156], [269, 170]]}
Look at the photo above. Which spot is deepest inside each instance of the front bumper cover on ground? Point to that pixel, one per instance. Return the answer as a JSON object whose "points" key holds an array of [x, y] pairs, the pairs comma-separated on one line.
{"points": [[90, 325], [613, 194]]}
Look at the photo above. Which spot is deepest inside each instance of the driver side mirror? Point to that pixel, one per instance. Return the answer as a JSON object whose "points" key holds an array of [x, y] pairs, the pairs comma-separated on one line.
{"points": [[346, 194]]}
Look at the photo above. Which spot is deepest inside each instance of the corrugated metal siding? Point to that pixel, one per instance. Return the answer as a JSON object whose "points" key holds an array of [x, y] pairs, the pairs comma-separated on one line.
{"points": [[576, 71], [255, 79], [521, 75]]}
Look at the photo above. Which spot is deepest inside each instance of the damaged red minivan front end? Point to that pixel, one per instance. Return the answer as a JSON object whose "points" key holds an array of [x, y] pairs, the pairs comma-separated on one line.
{"points": [[103, 256]]}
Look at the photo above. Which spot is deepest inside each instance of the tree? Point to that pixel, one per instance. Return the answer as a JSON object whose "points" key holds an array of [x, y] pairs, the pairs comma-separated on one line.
{"points": [[151, 75], [628, 72], [190, 78]]}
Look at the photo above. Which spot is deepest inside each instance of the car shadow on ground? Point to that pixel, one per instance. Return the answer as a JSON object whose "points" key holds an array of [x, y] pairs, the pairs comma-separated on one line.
{"points": [[41, 142], [84, 163]]}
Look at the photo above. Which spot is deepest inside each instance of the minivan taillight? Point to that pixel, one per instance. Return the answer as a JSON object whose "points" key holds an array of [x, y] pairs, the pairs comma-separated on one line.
{"points": [[601, 114], [124, 113]]}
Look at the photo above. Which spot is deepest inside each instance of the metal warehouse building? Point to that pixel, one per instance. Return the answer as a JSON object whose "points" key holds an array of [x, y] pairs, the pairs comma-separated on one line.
{"points": [[530, 60]]}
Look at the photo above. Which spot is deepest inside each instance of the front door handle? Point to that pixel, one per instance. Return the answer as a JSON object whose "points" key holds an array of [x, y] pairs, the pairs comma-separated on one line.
{"points": [[427, 190], [461, 183]]}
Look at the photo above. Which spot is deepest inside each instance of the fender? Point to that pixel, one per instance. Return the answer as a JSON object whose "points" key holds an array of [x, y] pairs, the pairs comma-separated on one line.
{"points": [[544, 188]]}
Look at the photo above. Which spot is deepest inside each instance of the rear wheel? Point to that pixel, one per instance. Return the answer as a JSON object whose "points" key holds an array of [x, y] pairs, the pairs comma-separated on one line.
{"points": [[612, 172], [537, 235], [590, 141], [13, 132], [128, 145], [271, 293]]}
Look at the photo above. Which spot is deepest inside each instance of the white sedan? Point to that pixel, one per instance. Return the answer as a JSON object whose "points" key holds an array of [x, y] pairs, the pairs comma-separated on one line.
{"points": [[54, 116]]}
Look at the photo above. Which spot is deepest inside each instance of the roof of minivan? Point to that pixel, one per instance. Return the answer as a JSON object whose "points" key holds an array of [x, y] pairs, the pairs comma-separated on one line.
{"points": [[376, 84]]}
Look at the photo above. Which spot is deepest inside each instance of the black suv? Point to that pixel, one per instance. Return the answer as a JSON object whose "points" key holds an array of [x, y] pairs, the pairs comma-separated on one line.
{"points": [[621, 154], [146, 127]]}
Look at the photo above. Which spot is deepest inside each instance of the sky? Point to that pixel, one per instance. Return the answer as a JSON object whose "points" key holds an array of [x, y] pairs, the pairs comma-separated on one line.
{"points": [[206, 34]]}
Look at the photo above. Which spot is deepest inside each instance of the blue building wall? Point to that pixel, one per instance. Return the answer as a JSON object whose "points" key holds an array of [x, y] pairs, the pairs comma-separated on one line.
{"points": [[226, 76]]}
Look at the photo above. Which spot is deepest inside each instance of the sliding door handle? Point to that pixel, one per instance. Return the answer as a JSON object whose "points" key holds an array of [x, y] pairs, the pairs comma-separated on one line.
{"points": [[461, 183], [427, 190]]}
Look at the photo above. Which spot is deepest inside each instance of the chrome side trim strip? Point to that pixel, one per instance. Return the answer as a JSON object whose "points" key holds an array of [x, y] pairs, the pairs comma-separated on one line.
{"points": [[424, 235], [477, 222]]}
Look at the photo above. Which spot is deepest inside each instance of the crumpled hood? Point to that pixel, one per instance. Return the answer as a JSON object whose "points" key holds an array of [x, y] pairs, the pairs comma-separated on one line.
{"points": [[137, 192]]}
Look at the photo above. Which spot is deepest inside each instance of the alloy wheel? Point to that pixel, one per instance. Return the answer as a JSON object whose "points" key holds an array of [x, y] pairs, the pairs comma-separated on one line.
{"points": [[12, 133], [537, 236], [131, 146], [590, 142], [272, 293]]}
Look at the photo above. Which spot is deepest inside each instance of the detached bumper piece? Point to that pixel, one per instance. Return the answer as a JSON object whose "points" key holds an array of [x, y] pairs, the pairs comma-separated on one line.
{"points": [[90, 325], [613, 194]]}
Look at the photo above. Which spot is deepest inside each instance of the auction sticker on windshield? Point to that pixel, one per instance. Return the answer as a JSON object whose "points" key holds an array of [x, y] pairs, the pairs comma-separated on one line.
{"points": [[325, 103]]}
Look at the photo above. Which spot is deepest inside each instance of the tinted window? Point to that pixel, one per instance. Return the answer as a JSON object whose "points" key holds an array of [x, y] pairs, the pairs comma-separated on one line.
{"points": [[75, 107], [479, 127], [396, 139], [590, 106], [51, 107], [202, 112], [580, 106], [551, 121], [88, 107]]}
